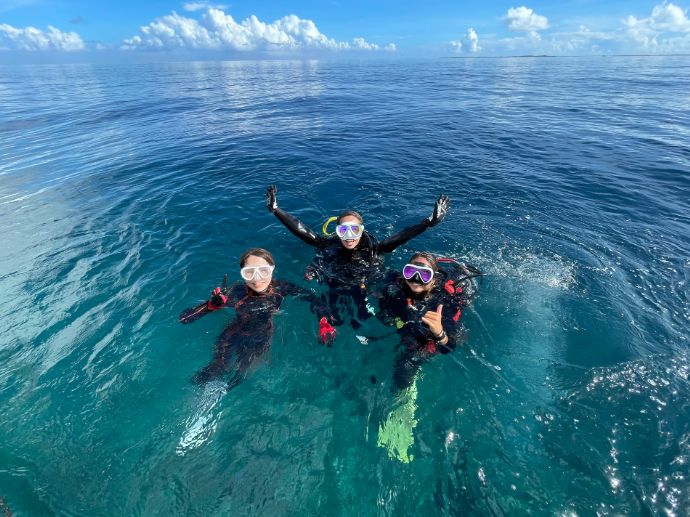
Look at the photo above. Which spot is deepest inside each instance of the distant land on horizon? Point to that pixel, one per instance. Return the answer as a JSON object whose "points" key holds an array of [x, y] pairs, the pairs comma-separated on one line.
{"points": [[555, 56]]}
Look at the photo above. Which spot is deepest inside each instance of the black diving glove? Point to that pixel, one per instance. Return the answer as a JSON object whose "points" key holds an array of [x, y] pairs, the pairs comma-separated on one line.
{"points": [[271, 201], [440, 210]]}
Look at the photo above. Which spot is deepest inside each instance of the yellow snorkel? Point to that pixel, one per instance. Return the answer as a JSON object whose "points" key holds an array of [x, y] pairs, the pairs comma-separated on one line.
{"points": [[325, 226]]}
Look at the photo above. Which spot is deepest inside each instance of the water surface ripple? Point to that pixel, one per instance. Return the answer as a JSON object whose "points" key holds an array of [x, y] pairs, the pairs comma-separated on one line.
{"points": [[127, 191]]}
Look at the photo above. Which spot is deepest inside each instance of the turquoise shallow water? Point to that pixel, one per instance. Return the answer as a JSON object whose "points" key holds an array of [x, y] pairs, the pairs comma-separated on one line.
{"points": [[126, 192]]}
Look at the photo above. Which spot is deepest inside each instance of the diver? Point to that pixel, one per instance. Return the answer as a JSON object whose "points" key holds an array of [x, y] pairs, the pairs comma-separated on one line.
{"points": [[248, 336], [425, 304], [351, 260]]}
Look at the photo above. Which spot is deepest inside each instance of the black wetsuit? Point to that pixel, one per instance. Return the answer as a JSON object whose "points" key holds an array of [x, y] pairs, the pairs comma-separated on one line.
{"points": [[249, 334], [347, 272], [399, 307]]}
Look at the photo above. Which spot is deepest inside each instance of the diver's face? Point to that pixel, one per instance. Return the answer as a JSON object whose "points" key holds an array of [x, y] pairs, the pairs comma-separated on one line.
{"points": [[258, 283], [417, 287], [350, 244]]}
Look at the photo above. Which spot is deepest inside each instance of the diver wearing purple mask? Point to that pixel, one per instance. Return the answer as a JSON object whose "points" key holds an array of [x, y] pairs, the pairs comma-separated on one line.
{"points": [[425, 304]]}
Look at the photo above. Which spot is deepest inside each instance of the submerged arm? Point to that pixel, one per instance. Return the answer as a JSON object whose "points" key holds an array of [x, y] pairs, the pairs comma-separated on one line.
{"points": [[317, 304], [389, 300]]}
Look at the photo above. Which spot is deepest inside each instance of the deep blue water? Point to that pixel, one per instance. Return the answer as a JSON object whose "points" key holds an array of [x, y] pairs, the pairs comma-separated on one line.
{"points": [[126, 192]]}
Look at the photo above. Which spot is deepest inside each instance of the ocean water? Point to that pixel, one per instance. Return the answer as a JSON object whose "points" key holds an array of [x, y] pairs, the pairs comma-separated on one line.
{"points": [[127, 191]]}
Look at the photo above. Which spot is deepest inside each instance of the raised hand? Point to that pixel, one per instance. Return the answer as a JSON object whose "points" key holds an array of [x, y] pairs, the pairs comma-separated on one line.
{"points": [[271, 201], [432, 319], [217, 299], [440, 210]]}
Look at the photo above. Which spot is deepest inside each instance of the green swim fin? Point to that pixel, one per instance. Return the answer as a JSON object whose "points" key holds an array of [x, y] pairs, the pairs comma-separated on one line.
{"points": [[396, 433]]}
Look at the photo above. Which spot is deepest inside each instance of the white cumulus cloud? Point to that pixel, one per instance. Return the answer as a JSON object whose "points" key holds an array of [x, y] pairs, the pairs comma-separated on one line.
{"points": [[32, 39], [200, 6], [648, 32], [640, 32], [524, 19], [470, 43], [670, 17], [665, 17], [583, 40], [216, 30], [663, 28]]}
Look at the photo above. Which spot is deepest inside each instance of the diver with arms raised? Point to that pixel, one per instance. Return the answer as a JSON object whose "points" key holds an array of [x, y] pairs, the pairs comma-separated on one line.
{"points": [[349, 261]]}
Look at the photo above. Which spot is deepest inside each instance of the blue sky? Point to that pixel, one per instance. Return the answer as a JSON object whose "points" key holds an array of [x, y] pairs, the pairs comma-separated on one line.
{"points": [[342, 27]]}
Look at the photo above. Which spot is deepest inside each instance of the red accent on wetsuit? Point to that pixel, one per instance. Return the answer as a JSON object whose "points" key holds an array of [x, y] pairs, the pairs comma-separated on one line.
{"points": [[326, 331], [430, 346], [216, 292], [458, 315]]}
